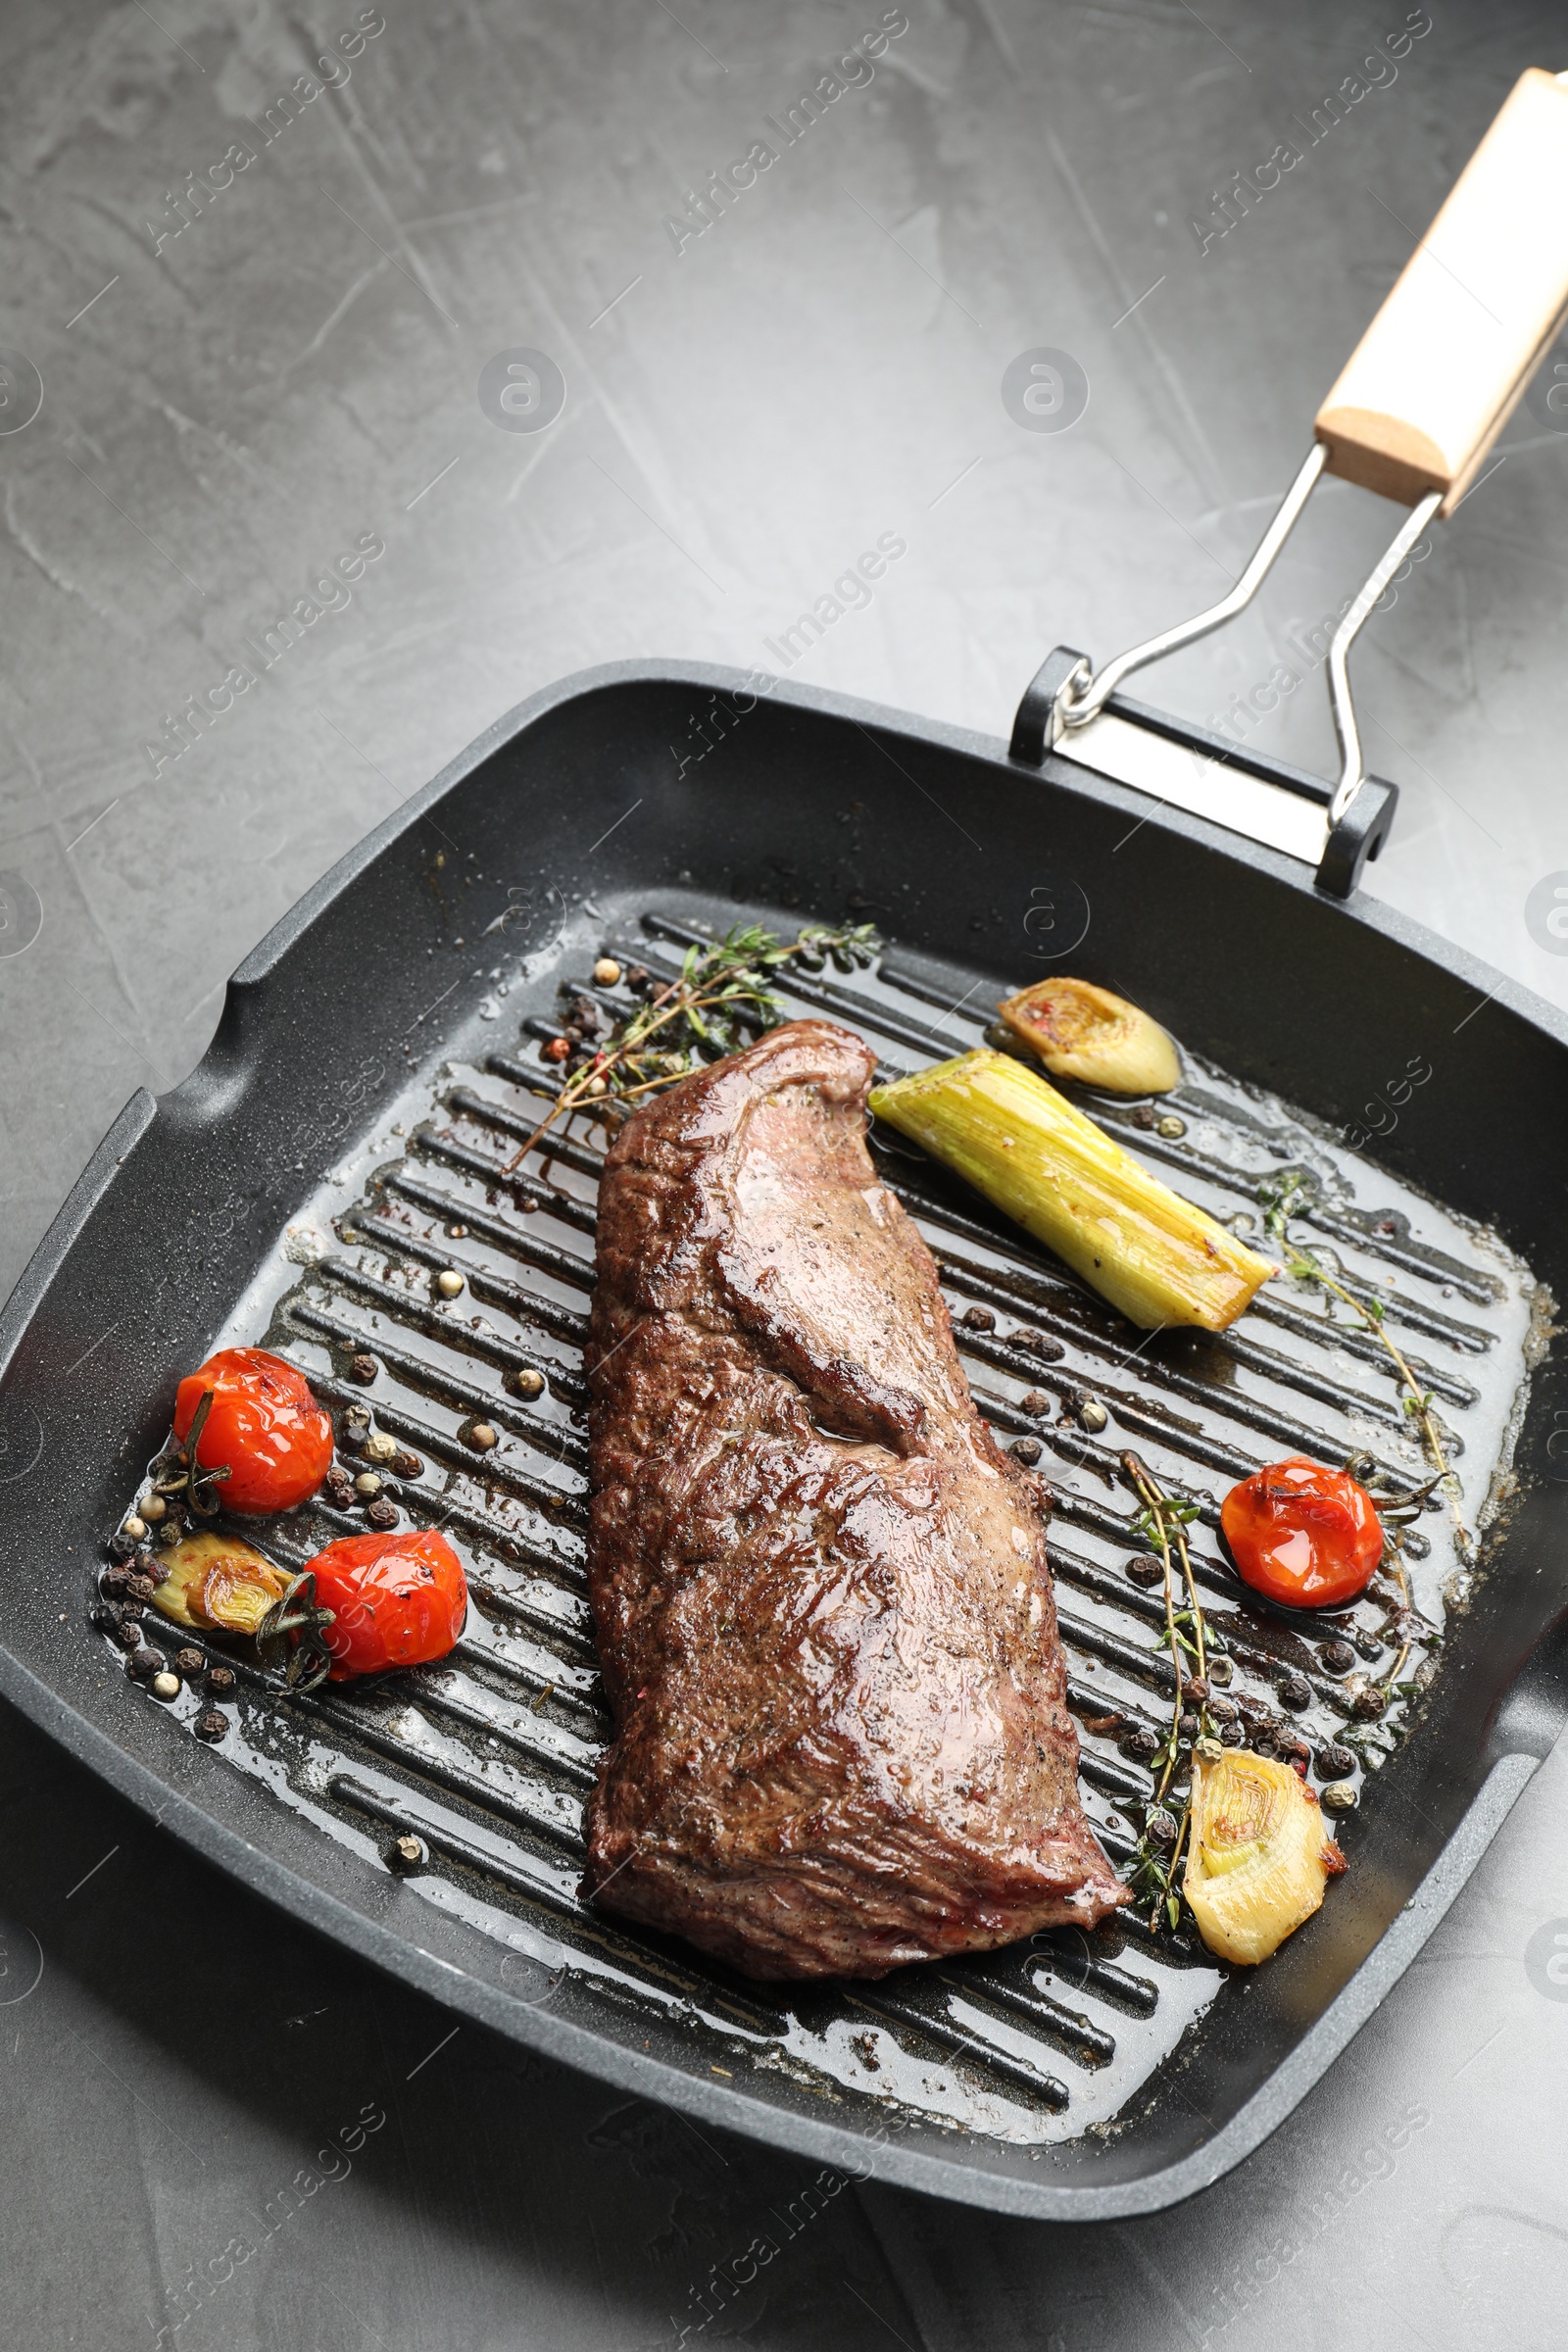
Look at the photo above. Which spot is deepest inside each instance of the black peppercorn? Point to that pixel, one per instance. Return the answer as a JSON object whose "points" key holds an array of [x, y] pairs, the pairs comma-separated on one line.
{"points": [[128, 1635], [1025, 1450], [211, 1725], [1221, 1708], [1034, 1402], [129, 1612], [1196, 1688], [1039, 1343], [1144, 1116], [1232, 1734], [140, 1587], [340, 1487], [1296, 1692], [1140, 1745], [636, 977], [143, 1664], [362, 1368], [188, 1661], [1337, 1657], [220, 1681], [1161, 1829], [122, 1544], [105, 1616], [407, 1465], [1368, 1704], [978, 1318], [114, 1582], [1146, 1569], [1334, 1762], [1187, 1725], [381, 1514]]}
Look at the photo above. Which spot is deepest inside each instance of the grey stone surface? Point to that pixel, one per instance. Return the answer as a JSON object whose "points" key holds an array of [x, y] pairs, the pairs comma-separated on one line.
{"points": [[229, 409]]}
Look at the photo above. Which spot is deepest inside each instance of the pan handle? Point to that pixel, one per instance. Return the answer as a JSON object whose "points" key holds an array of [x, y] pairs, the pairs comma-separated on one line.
{"points": [[1424, 396], [1441, 368]]}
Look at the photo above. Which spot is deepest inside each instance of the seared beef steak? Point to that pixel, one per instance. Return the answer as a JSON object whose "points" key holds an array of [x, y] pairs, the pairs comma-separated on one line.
{"points": [[820, 1591]]}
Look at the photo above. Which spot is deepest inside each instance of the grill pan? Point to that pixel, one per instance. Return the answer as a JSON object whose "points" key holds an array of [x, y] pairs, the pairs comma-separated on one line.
{"points": [[345, 1137], [366, 1081]]}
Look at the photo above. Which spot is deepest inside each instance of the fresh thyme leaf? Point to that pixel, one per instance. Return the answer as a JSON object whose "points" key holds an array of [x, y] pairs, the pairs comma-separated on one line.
{"points": [[1278, 1196], [727, 981]]}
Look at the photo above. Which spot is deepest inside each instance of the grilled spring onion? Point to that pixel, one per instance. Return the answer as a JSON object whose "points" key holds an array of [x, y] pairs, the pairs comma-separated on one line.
{"points": [[1080, 1031], [1259, 1855], [1038, 1159]]}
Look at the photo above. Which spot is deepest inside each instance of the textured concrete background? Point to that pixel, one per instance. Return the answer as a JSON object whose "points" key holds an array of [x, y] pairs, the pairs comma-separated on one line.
{"points": [[294, 376]]}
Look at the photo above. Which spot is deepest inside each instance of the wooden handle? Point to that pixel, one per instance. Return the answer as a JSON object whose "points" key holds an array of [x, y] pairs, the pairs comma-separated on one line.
{"points": [[1437, 375]]}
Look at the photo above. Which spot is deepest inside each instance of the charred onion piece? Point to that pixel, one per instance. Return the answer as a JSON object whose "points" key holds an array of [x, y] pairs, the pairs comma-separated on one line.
{"points": [[218, 1581], [1080, 1031], [1028, 1150], [1258, 1856]]}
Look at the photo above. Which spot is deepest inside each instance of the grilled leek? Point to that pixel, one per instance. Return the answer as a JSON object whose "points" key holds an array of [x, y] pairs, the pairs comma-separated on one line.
{"points": [[1259, 1855], [1039, 1159], [1080, 1031]]}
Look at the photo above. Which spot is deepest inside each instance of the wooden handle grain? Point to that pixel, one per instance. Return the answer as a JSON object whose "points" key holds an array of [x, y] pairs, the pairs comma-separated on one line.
{"points": [[1437, 375]]}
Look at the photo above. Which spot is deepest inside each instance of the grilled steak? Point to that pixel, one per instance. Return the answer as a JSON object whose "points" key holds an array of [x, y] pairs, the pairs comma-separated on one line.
{"points": [[820, 1593]]}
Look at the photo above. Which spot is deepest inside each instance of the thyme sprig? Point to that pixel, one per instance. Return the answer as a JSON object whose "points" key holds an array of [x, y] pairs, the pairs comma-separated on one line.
{"points": [[187, 1477], [1279, 1197], [722, 992], [296, 1611], [1163, 1520]]}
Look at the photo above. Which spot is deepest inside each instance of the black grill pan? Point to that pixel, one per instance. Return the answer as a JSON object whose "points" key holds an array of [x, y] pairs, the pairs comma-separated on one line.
{"points": [[376, 1063]]}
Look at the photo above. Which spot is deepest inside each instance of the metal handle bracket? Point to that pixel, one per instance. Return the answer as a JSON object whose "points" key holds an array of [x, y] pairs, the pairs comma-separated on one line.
{"points": [[1183, 766]]}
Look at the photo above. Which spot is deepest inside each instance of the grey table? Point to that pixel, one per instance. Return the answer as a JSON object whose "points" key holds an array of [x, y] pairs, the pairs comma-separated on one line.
{"points": [[249, 331]]}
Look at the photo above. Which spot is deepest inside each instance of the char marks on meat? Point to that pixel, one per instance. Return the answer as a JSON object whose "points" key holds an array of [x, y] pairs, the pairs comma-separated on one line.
{"points": [[819, 1588]]}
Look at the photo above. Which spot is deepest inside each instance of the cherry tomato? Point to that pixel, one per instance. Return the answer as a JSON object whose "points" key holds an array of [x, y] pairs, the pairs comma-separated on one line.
{"points": [[264, 1423], [400, 1599], [1304, 1536]]}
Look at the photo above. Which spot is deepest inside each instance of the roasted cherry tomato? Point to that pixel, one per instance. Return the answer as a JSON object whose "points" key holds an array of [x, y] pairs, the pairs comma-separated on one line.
{"points": [[263, 1423], [1304, 1536], [400, 1599]]}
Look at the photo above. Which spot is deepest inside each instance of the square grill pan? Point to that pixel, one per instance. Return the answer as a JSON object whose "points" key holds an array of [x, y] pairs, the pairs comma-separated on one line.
{"points": [[344, 1140]]}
